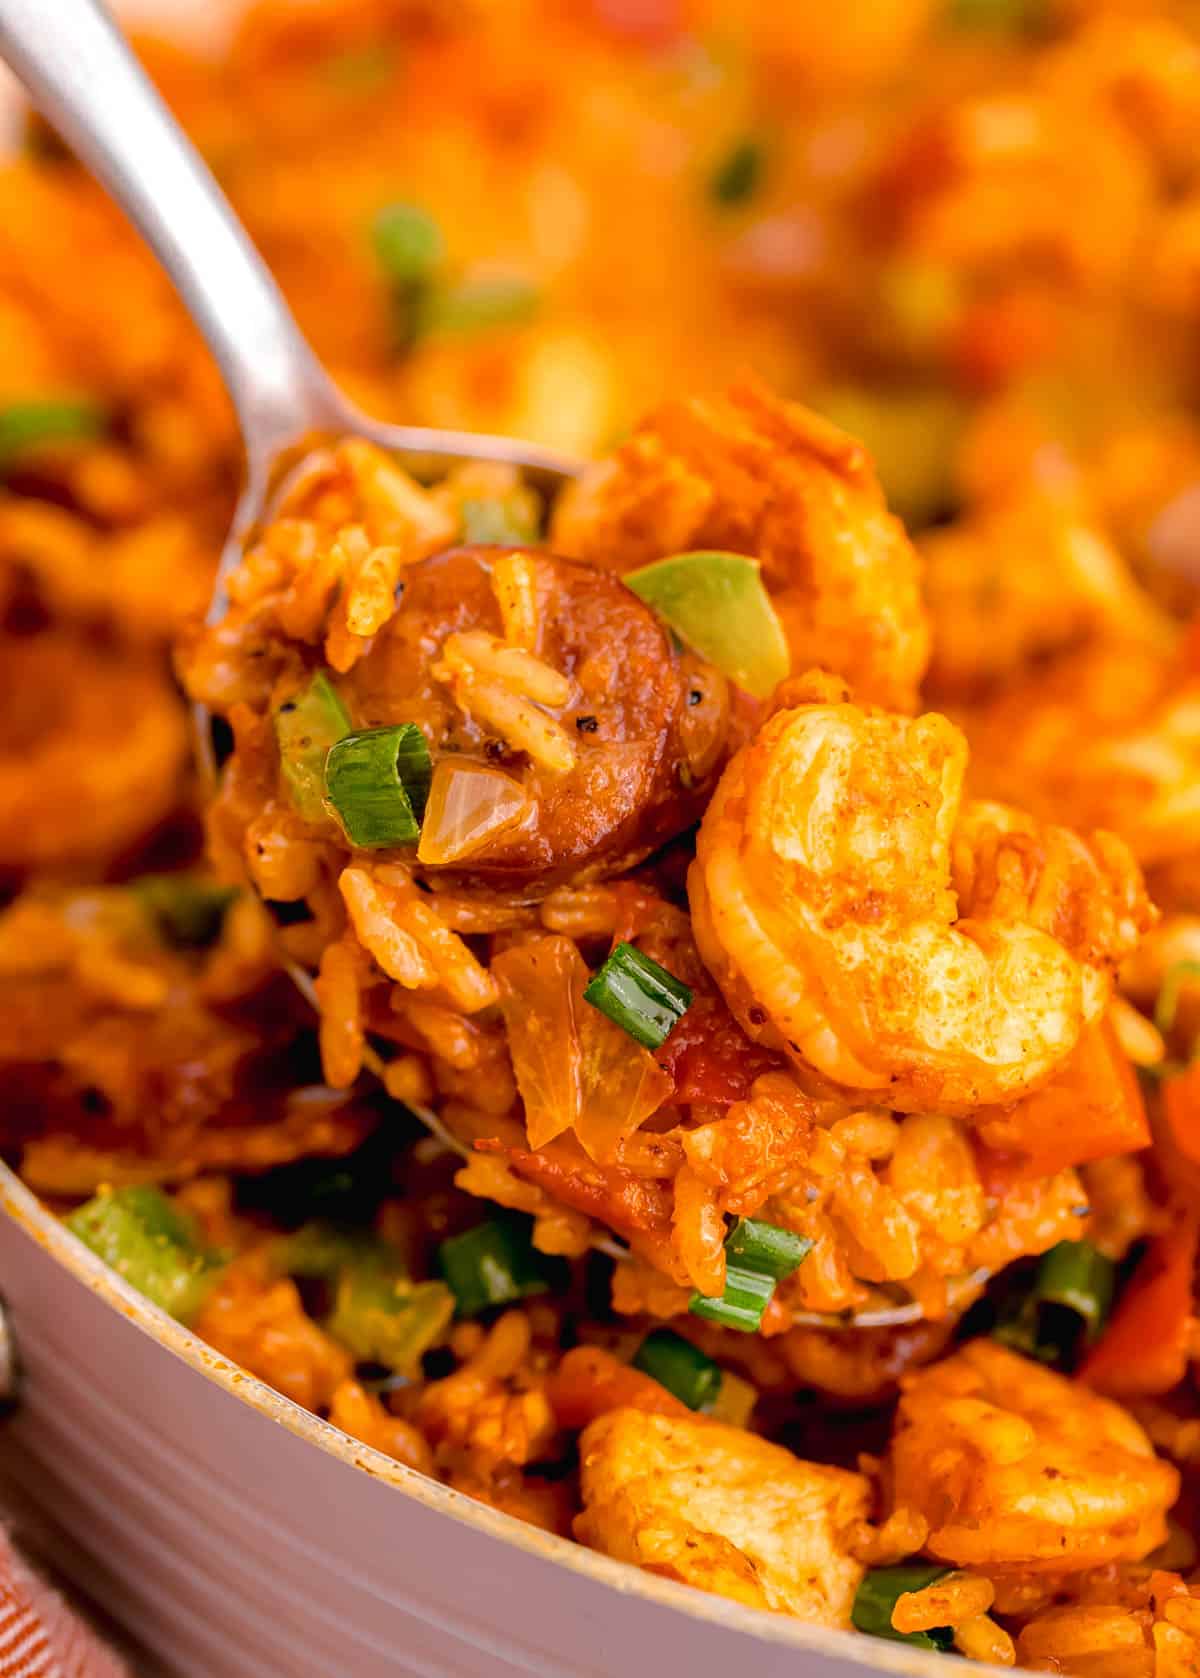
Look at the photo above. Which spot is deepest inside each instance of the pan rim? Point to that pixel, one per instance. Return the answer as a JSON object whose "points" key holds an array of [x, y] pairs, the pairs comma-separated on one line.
{"points": [[19, 1204]]}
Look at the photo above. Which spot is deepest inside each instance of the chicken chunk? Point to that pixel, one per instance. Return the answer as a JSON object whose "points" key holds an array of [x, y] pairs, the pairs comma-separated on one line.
{"points": [[723, 1510]]}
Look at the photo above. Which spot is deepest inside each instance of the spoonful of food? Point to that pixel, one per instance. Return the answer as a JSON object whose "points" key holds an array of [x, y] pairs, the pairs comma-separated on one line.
{"points": [[563, 736]]}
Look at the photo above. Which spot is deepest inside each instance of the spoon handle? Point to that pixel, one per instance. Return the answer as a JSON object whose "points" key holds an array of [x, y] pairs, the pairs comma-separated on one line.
{"points": [[81, 73]]}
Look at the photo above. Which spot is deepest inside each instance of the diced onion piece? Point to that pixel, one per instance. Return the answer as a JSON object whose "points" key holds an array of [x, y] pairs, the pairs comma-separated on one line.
{"points": [[574, 1068], [679, 1366], [469, 804], [305, 728], [377, 781], [735, 1401], [640, 996], [717, 603], [878, 1594]]}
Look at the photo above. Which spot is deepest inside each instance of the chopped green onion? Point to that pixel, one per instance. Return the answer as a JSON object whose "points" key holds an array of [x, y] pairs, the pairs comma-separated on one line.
{"points": [[911, 434], [757, 1256], [305, 728], [186, 910], [492, 1264], [682, 1368], [379, 1313], [360, 69], [766, 1247], [1008, 15], [383, 1317], [151, 1244], [876, 1600], [739, 174], [477, 303], [409, 245], [318, 1250], [1174, 979], [747, 1295], [1072, 1293], [717, 604], [377, 781], [639, 996], [1079, 1277], [510, 520], [30, 425], [348, 1190]]}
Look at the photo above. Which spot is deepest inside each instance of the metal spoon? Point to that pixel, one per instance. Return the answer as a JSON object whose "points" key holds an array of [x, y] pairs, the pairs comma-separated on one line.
{"points": [[82, 75], [80, 72]]}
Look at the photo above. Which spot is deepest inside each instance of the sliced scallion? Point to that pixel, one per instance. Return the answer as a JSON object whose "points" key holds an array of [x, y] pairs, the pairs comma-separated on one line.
{"points": [[1174, 979], [1071, 1295], [878, 1594], [187, 911], [738, 176], [638, 995], [1008, 16], [757, 1256], [34, 424], [377, 781], [409, 245], [717, 604], [305, 728], [747, 1295], [682, 1368], [1079, 1277], [492, 1264], [477, 303], [766, 1247]]}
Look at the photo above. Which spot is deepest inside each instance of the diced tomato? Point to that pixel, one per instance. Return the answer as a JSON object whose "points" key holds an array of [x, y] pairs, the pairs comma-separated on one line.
{"points": [[650, 22], [1190, 650], [1002, 337], [1144, 1349], [1181, 1106], [1091, 1110], [588, 1382], [629, 1204], [709, 1055]]}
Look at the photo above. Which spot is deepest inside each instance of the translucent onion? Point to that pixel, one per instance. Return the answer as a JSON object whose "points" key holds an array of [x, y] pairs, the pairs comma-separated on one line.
{"points": [[575, 1069], [469, 804]]}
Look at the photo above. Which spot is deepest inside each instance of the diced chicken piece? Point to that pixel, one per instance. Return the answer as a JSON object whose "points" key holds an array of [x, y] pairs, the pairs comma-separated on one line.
{"points": [[723, 1510]]}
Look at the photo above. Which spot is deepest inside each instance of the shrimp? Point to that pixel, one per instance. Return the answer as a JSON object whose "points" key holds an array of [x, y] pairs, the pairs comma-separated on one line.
{"points": [[1109, 735], [926, 954], [750, 474], [1014, 1466], [1022, 579], [717, 1507]]}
